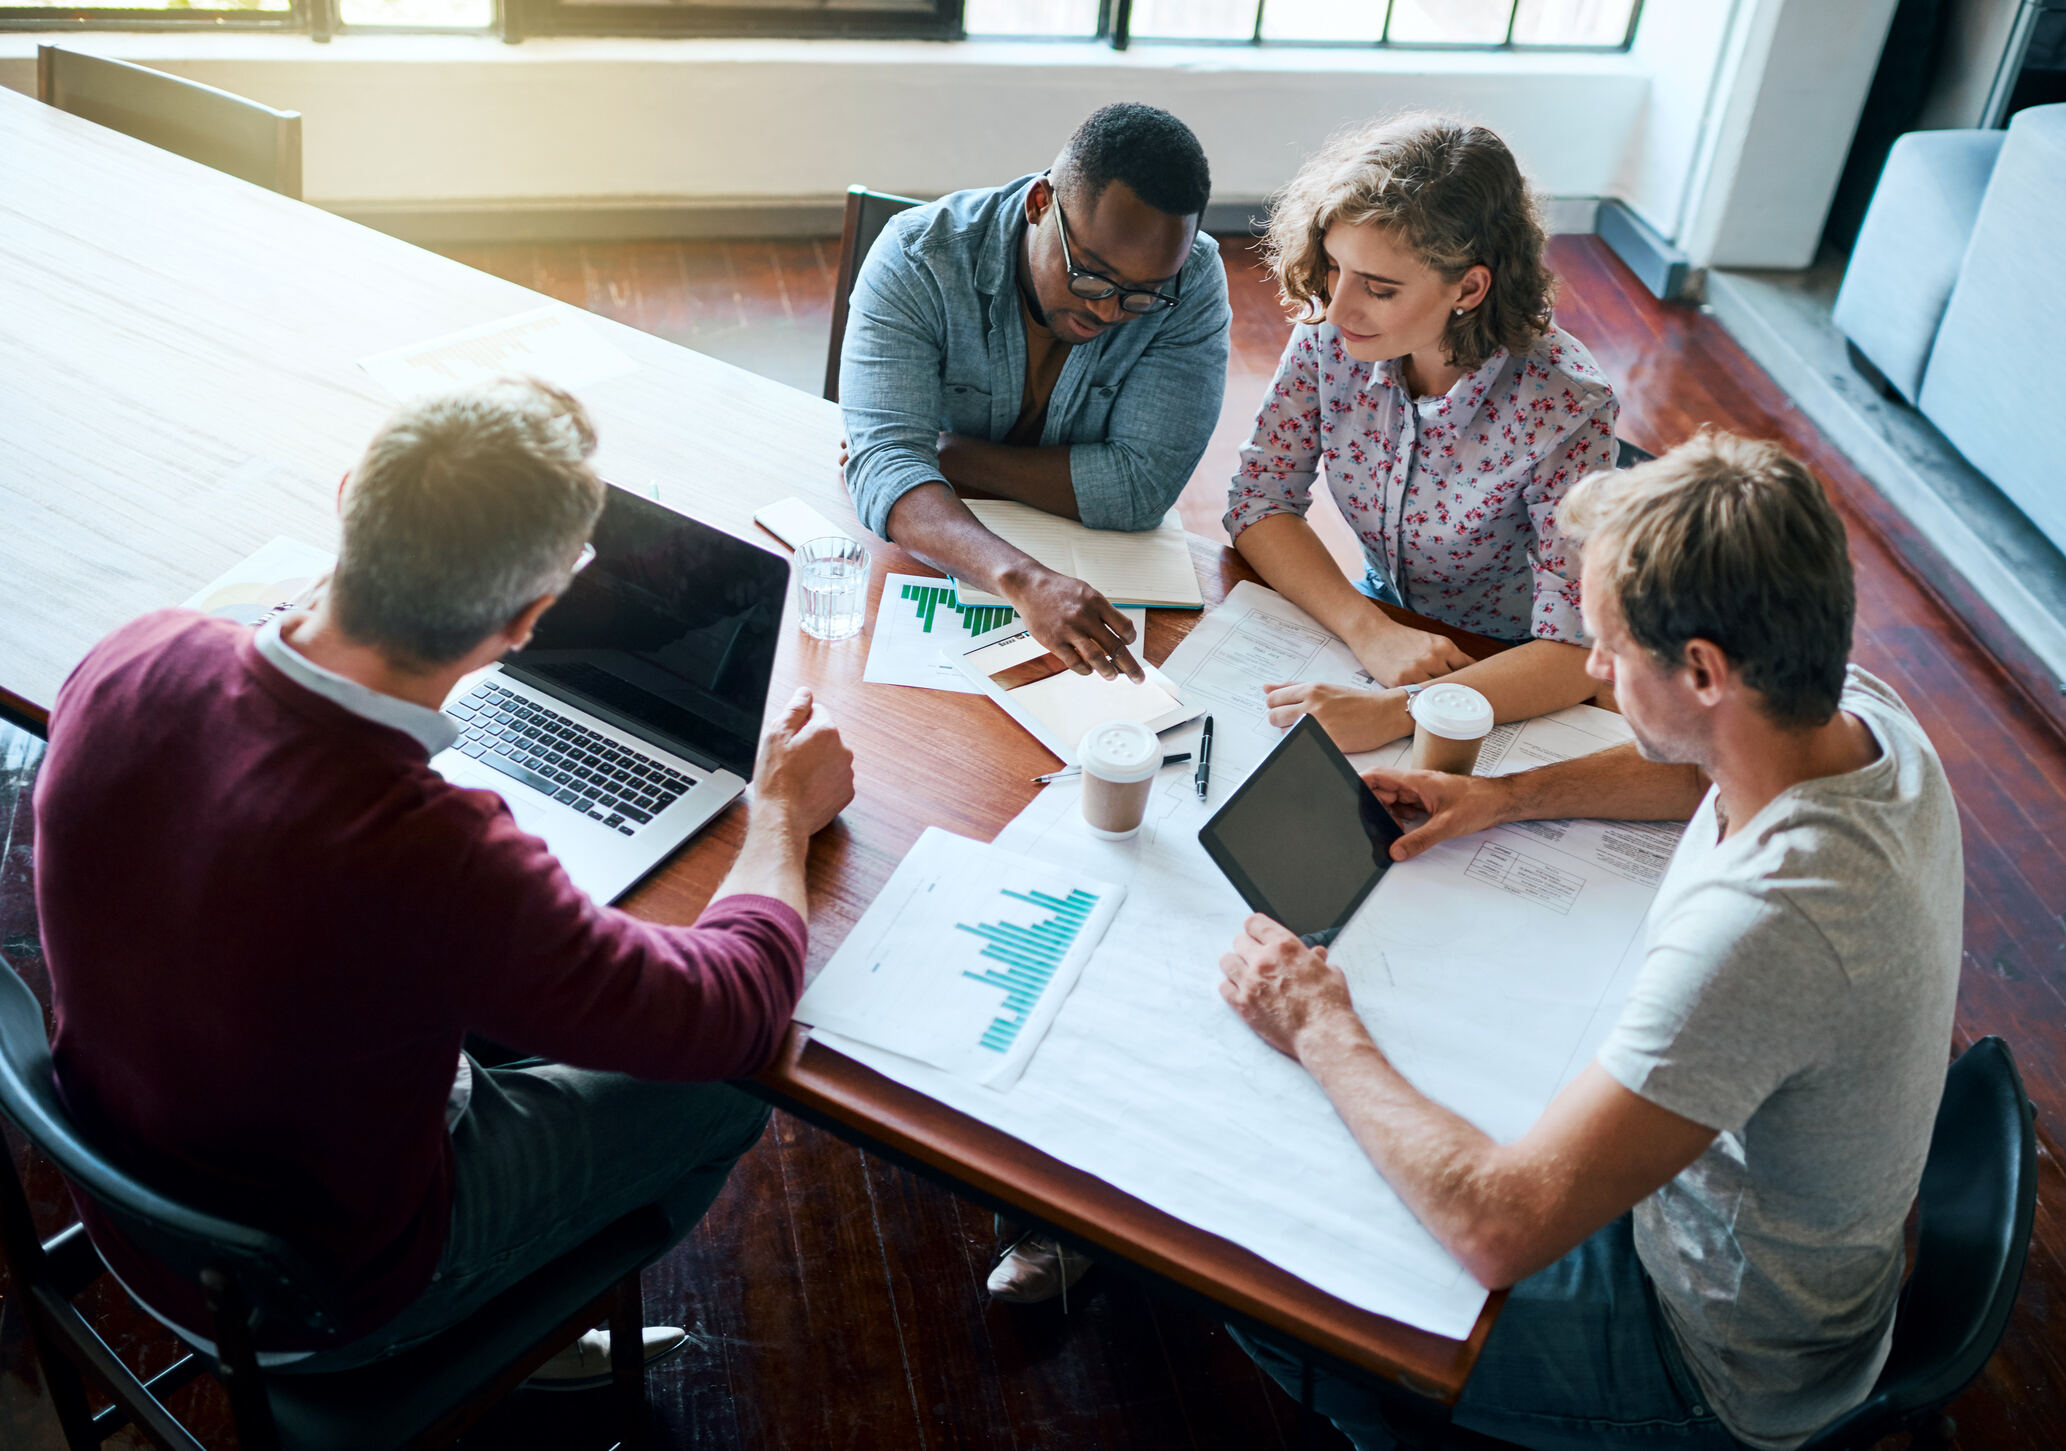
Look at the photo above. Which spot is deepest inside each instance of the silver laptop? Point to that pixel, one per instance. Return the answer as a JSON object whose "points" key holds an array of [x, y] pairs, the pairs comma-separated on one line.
{"points": [[632, 717]]}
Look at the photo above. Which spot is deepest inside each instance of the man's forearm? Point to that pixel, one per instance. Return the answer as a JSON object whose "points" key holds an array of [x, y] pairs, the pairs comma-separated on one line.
{"points": [[1038, 476], [932, 523], [1437, 1162], [1616, 784], [771, 862]]}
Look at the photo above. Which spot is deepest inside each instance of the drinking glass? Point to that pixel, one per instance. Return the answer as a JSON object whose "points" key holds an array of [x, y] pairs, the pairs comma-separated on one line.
{"points": [[832, 587]]}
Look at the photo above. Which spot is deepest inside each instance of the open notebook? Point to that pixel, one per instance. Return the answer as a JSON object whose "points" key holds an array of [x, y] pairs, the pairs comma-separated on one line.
{"points": [[1152, 567]]}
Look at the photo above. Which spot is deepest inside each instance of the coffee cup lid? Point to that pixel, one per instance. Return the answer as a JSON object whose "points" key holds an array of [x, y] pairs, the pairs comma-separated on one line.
{"points": [[1454, 711], [1120, 751]]}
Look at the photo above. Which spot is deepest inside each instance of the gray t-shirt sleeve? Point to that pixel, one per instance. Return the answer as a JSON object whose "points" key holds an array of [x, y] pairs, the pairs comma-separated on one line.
{"points": [[1733, 998]]}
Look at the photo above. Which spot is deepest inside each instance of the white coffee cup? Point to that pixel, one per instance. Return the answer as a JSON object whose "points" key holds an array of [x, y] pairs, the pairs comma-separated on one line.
{"points": [[1119, 760], [1450, 723]]}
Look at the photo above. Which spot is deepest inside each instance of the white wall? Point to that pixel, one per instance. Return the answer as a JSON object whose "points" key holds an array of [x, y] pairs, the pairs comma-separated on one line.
{"points": [[422, 120], [1751, 108]]}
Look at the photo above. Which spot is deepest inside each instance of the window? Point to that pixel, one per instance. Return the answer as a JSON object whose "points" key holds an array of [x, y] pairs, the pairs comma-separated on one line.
{"points": [[1604, 24], [1592, 24]]}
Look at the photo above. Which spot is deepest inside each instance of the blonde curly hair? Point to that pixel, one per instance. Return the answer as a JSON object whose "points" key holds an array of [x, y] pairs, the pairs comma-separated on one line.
{"points": [[1452, 192]]}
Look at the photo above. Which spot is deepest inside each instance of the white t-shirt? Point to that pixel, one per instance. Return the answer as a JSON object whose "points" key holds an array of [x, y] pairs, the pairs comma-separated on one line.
{"points": [[1796, 995]]}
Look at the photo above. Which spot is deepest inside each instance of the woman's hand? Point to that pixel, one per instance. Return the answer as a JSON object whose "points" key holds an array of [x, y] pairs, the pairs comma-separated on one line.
{"points": [[1397, 654], [1355, 720]]}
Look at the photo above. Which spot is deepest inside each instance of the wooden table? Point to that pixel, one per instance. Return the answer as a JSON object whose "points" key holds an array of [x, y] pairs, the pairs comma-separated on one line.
{"points": [[179, 383]]}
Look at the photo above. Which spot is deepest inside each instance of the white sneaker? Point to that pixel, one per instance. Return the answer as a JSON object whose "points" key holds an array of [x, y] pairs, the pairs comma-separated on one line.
{"points": [[586, 1363]]}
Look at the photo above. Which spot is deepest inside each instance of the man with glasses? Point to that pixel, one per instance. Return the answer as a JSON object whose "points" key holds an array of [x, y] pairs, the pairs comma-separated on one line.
{"points": [[1061, 341]]}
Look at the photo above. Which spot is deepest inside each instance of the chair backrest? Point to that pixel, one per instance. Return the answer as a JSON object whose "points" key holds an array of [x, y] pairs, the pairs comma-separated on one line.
{"points": [[1978, 1198], [867, 213], [198, 122], [282, 1288], [1627, 455]]}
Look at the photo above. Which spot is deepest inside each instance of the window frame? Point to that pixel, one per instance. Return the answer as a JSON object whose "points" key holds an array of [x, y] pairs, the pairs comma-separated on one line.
{"points": [[293, 20], [942, 21]]}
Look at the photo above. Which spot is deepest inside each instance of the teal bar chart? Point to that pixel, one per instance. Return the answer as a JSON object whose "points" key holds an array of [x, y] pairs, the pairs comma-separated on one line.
{"points": [[964, 960], [1026, 958], [929, 599]]}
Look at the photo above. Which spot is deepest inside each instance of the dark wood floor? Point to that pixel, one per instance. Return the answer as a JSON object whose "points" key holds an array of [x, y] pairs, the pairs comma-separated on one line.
{"points": [[837, 1302]]}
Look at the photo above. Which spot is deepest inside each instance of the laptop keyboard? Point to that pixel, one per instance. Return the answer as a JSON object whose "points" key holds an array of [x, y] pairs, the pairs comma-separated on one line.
{"points": [[582, 768]]}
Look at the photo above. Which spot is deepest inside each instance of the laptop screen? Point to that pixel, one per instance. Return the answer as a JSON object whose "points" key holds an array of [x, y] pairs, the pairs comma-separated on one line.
{"points": [[670, 632]]}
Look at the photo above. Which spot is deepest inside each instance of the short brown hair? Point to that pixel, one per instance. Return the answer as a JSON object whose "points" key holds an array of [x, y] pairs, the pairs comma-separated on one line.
{"points": [[1729, 540], [1453, 193], [466, 508]]}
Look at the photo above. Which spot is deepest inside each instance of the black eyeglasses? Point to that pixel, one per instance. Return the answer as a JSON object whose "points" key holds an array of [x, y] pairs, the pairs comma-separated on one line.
{"points": [[1096, 287]]}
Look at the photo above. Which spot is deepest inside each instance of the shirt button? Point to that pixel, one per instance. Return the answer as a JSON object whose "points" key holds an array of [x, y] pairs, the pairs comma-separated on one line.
{"points": [[1697, 1410], [440, 1274]]}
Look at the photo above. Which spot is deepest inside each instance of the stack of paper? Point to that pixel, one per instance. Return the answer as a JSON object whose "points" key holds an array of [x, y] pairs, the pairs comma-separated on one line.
{"points": [[1151, 567]]}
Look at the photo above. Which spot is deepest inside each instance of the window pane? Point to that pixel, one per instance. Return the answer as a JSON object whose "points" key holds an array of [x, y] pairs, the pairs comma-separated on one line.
{"points": [[451, 14], [1572, 22], [1341, 20], [175, 6], [1450, 22], [1194, 19], [1030, 17]]}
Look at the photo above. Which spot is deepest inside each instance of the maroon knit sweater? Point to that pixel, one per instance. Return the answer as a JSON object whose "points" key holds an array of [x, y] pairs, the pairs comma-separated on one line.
{"points": [[269, 925]]}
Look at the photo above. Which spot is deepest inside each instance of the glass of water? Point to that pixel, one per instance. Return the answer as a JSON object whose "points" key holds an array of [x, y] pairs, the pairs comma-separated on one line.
{"points": [[832, 587]]}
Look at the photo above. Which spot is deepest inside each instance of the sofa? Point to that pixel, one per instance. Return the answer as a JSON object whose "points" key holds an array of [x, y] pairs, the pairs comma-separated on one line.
{"points": [[1956, 294]]}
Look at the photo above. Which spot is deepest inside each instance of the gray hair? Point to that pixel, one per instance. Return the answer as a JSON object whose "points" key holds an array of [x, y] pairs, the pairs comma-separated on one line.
{"points": [[466, 508]]}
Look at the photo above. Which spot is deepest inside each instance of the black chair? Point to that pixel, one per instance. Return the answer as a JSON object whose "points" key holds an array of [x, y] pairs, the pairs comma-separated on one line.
{"points": [[199, 122], [1627, 455], [1978, 1197], [256, 1283], [867, 213]]}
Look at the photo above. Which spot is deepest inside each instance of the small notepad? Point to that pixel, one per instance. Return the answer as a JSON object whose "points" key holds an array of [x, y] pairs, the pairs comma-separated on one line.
{"points": [[1151, 567]]}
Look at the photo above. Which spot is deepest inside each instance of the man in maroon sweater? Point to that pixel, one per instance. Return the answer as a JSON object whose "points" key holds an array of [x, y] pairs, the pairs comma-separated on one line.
{"points": [[270, 926]]}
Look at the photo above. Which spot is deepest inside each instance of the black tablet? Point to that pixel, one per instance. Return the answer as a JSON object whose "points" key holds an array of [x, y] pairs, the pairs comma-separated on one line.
{"points": [[1303, 840]]}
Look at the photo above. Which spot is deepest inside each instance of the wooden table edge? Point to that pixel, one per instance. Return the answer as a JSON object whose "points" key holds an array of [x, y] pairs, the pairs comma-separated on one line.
{"points": [[825, 1086]]}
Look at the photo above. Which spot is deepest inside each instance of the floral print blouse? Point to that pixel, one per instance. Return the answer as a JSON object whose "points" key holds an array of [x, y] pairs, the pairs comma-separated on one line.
{"points": [[1454, 498]]}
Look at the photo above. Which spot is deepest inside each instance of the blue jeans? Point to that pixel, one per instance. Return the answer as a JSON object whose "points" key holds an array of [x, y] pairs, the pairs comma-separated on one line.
{"points": [[1378, 586], [1579, 1358], [545, 1157]]}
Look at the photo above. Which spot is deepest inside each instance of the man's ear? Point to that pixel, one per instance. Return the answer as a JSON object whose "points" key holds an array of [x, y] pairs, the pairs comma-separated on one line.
{"points": [[518, 631], [1039, 197], [1708, 671]]}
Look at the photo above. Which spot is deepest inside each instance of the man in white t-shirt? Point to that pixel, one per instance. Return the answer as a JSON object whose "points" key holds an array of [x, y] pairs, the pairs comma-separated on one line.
{"points": [[1703, 1232]]}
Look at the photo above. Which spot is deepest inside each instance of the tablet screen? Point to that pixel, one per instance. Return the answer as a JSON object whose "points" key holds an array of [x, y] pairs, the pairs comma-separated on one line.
{"points": [[1303, 840]]}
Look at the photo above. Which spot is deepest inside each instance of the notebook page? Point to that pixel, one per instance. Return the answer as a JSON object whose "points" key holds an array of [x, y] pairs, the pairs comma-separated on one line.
{"points": [[1152, 566]]}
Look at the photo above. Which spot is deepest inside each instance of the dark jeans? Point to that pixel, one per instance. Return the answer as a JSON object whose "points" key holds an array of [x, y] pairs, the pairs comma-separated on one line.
{"points": [[1579, 1358], [547, 1156]]}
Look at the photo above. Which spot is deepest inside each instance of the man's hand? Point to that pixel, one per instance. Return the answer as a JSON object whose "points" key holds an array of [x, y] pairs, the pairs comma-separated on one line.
{"points": [[1355, 720], [1282, 988], [804, 767], [1397, 654], [1080, 625], [1453, 805], [842, 462]]}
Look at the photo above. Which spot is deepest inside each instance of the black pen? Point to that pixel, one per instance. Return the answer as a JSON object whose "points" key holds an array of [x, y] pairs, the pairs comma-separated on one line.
{"points": [[1203, 775]]}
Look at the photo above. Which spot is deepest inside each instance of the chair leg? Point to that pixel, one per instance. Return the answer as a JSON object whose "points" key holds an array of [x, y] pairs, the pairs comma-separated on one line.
{"points": [[237, 1363], [628, 1360]]}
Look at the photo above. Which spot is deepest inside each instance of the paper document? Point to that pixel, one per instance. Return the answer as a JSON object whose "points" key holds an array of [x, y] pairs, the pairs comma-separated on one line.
{"points": [[964, 959], [1053, 702], [921, 623], [1150, 567], [1489, 969], [283, 575], [550, 342], [1256, 638]]}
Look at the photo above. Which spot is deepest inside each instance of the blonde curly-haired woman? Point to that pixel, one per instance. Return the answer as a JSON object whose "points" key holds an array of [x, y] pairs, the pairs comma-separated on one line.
{"points": [[1428, 382]]}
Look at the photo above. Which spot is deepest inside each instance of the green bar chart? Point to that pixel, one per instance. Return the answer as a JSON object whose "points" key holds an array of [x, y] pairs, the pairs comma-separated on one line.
{"points": [[927, 600], [1026, 957]]}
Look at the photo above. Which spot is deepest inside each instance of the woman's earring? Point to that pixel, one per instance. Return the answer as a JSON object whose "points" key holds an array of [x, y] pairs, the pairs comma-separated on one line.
{"points": [[1457, 313]]}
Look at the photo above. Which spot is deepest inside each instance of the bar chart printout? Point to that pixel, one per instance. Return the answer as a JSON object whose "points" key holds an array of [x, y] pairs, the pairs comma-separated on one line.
{"points": [[964, 959]]}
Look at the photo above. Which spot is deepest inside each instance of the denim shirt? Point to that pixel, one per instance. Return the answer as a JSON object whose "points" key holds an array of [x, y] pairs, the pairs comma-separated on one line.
{"points": [[935, 343]]}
